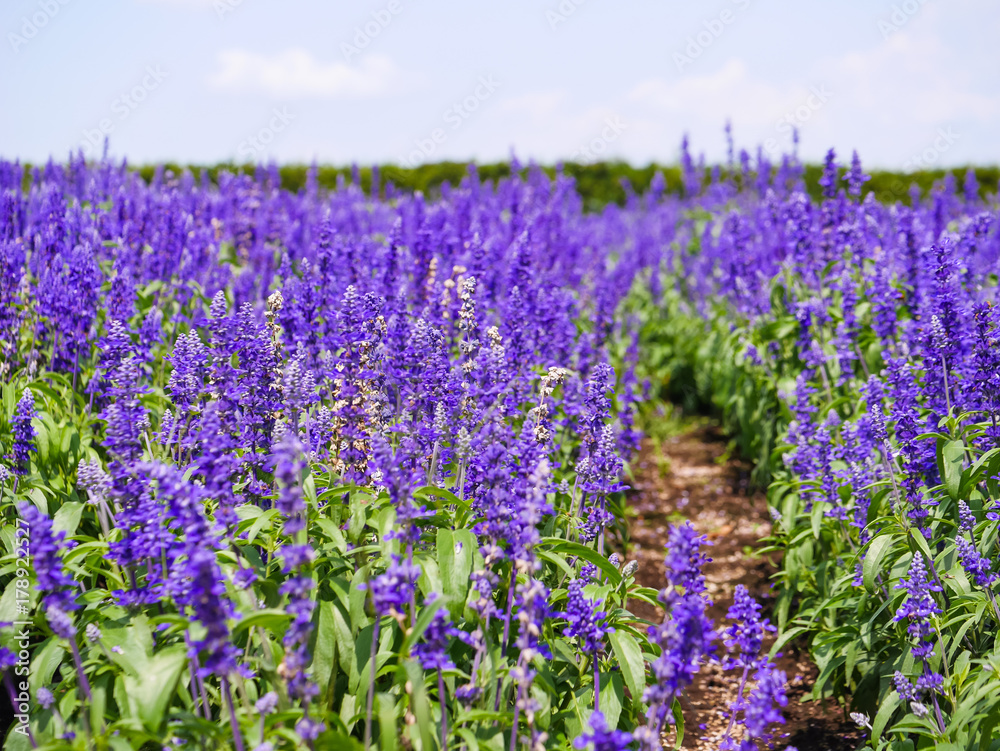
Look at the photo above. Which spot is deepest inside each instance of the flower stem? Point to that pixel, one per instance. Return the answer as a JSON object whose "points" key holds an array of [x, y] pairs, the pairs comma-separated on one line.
{"points": [[597, 684], [233, 724], [13, 704], [444, 711], [371, 684]]}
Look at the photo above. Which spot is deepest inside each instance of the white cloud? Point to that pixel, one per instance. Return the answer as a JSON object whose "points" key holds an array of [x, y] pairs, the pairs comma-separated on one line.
{"points": [[546, 126], [762, 112], [296, 73], [729, 92], [886, 100], [909, 78]]}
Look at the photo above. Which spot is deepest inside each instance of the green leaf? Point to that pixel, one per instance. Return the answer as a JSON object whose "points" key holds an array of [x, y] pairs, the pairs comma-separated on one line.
{"points": [[785, 637], [99, 690], [151, 691], [44, 662], [259, 523], [346, 648], [386, 707], [271, 619], [612, 697], [986, 729], [588, 554], [951, 456], [873, 559], [413, 678], [921, 542], [324, 652], [885, 711], [678, 713], [67, 518], [455, 553], [470, 740], [629, 657]]}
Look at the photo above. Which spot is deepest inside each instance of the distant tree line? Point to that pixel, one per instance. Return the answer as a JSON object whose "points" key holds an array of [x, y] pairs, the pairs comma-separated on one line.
{"points": [[598, 183]]}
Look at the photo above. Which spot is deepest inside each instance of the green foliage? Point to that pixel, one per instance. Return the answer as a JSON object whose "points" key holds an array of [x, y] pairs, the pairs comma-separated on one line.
{"points": [[840, 590], [141, 681], [598, 183]]}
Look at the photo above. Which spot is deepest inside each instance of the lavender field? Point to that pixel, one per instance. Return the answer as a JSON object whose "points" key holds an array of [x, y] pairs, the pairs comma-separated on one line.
{"points": [[351, 468]]}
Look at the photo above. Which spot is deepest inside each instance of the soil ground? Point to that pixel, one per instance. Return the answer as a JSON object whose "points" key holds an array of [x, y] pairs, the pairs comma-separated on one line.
{"points": [[690, 476]]}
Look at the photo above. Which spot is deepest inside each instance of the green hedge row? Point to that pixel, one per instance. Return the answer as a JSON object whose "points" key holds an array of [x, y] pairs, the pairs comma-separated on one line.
{"points": [[598, 183]]}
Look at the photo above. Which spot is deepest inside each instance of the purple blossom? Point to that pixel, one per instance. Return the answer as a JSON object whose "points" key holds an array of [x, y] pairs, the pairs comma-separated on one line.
{"points": [[745, 637], [432, 650], [46, 545], [288, 465], [393, 589], [828, 181], [684, 560], [919, 606], [978, 567], [685, 637], [584, 621], [24, 433], [309, 729], [267, 703], [855, 177], [760, 709], [601, 737], [45, 698]]}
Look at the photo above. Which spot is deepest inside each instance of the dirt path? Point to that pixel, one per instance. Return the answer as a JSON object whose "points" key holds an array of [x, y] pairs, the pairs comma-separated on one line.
{"points": [[686, 477]]}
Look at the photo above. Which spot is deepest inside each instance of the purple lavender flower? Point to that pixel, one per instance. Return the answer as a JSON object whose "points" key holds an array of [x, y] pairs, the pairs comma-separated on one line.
{"points": [[855, 177], [24, 433], [432, 651], [124, 414], [685, 637], [195, 580], [584, 621], [267, 704], [684, 560], [966, 518], [745, 637], [45, 698], [62, 626], [757, 708], [309, 729], [393, 589], [601, 737], [46, 545], [977, 566], [761, 709], [828, 181], [288, 465], [904, 687], [919, 606]]}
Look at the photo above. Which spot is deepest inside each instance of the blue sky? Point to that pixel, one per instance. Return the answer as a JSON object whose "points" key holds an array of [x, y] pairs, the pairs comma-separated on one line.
{"points": [[907, 83]]}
